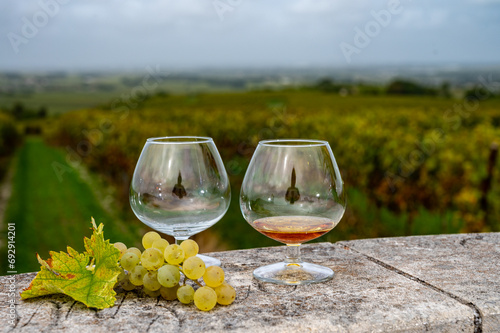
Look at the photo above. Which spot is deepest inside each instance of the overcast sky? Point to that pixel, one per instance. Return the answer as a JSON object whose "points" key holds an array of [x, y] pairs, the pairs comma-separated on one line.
{"points": [[133, 34]]}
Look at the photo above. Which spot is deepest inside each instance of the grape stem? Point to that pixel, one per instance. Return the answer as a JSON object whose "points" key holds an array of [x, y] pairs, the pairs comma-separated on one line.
{"points": [[185, 277]]}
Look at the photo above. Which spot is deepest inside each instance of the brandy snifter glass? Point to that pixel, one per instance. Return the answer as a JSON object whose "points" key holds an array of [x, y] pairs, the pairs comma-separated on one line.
{"points": [[180, 187], [293, 193]]}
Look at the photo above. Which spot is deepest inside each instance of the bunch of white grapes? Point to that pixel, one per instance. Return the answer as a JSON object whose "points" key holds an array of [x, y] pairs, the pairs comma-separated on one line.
{"points": [[160, 268]]}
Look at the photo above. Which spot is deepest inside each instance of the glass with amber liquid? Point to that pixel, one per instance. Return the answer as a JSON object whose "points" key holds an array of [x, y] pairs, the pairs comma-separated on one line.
{"points": [[293, 193]]}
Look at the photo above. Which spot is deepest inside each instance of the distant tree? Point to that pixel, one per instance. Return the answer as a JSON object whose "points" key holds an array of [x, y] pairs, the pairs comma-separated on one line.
{"points": [[444, 90], [365, 89], [131, 81], [327, 85], [18, 110], [476, 93], [404, 87], [162, 93], [42, 112]]}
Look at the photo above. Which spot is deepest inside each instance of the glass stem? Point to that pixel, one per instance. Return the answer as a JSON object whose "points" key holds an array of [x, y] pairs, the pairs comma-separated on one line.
{"points": [[179, 240], [293, 255]]}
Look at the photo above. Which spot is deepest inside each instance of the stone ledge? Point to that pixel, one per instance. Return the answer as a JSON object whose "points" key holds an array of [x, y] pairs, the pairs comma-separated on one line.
{"points": [[464, 267], [445, 283]]}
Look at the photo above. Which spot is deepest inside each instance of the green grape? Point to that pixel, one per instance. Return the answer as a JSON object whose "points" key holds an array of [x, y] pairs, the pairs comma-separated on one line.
{"points": [[127, 285], [149, 238], [121, 247], [152, 259], [150, 281], [160, 244], [134, 250], [122, 276], [205, 298], [169, 275], [137, 274], [185, 294], [174, 254], [190, 248], [193, 268], [151, 293], [169, 294], [225, 294], [129, 260], [214, 276]]}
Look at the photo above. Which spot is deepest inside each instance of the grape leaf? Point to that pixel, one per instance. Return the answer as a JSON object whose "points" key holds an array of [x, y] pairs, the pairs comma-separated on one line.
{"points": [[88, 277]]}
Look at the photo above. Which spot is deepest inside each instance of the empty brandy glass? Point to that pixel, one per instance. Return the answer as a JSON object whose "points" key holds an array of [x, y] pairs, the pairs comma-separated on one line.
{"points": [[180, 187], [293, 192]]}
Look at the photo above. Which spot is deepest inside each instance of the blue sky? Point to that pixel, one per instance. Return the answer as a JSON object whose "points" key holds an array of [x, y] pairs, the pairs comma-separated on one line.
{"points": [[133, 34]]}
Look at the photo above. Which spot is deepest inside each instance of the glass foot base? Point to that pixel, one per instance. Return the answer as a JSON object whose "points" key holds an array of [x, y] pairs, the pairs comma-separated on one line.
{"points": [[293, 274], [209, 261]]}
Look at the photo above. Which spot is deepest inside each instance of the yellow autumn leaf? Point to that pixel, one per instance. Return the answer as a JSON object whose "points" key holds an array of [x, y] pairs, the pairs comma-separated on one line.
{"points": [[88, 277]]}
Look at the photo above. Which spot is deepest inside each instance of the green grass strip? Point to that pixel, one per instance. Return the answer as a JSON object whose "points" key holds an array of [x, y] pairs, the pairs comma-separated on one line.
{"points": [[51, 207]]}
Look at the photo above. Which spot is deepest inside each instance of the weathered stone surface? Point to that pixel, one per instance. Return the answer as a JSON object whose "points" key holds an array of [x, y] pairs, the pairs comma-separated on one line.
{"points": [[365, 295], [465, 266]]}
